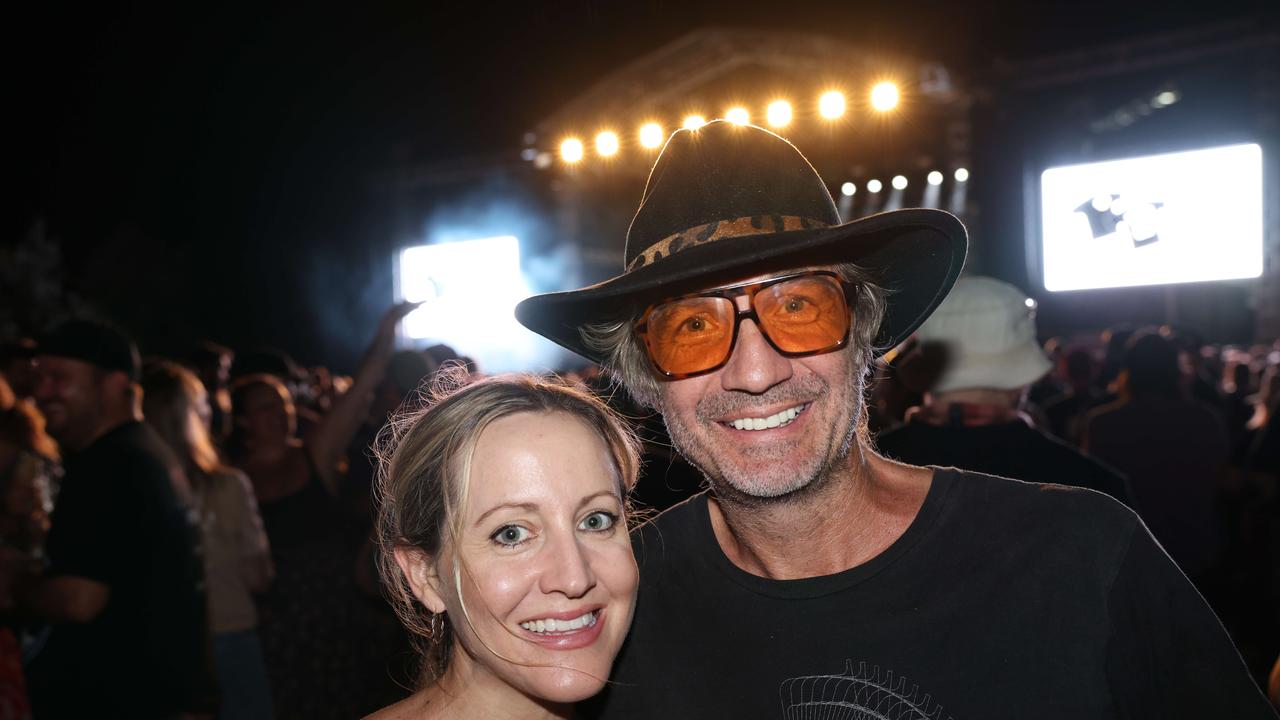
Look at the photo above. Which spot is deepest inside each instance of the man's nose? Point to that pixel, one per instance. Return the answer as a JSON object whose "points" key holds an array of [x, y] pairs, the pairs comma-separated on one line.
{"points": [[566, 567], [754, 366]]}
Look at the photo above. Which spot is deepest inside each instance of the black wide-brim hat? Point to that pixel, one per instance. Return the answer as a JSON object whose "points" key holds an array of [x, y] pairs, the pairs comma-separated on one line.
{"points": [[727, 202]]}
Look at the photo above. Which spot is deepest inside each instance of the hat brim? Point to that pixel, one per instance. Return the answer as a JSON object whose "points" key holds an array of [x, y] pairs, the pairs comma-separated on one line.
{"points": [[915, 255]]}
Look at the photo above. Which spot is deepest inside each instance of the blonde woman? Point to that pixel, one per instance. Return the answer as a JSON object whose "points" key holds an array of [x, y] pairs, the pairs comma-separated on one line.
{"points": [[236, 557], [505, 548]]}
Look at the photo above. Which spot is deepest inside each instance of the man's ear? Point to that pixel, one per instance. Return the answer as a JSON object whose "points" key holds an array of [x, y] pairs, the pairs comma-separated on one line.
{"points": [[420, 570]]}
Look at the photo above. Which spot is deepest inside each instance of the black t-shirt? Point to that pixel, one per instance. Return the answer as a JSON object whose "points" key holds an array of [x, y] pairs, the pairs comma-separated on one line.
{"points": [[1002, 599], [1012, 449], [119, 521]]}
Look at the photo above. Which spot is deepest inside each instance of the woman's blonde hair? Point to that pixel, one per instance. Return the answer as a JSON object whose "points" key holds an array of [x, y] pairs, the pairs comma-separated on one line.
{"points": [[169, 396], [424, 458]]}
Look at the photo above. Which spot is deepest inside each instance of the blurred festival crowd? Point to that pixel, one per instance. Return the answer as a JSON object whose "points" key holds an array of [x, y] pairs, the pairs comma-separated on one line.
{"points": [[227, 493]]}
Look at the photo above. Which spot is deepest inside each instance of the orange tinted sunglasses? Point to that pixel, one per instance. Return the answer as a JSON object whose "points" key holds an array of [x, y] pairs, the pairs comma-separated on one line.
{"points": [[805, 313]]}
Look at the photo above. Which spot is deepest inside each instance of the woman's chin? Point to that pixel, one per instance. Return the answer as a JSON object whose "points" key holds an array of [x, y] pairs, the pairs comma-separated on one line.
{"points": [[563, 686]]}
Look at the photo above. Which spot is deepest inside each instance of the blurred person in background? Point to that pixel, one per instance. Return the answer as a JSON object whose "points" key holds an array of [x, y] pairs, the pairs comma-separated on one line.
{"points": [[236, 557], [406, 373], [124, 587], [314, 623], [16, 358], [28, 463], [1066, 413], [1173, 449], [980, 346], [212, 365]]}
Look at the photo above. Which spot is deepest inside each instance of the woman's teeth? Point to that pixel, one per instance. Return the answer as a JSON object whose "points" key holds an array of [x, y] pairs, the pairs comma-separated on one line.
{"points": [[776, 420], [553, 625]]}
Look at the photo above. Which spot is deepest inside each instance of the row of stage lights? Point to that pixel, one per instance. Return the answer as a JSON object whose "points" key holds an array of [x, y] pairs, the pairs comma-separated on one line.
{"points": [[899, 182], [832, 105]]}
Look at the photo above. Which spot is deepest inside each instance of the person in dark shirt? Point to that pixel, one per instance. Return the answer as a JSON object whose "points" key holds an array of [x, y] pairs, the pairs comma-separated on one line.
{"points": [[1174, 449], [123, 590], [983, 337], [817, 578]]}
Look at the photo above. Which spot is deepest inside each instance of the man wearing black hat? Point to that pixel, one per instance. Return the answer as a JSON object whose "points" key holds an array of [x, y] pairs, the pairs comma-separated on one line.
{"points": [[123, 591], [816, 578]]}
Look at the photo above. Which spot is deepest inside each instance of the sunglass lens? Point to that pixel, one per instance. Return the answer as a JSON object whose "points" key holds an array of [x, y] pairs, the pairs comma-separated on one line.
{"points": [[807, 314], [690, 335]]}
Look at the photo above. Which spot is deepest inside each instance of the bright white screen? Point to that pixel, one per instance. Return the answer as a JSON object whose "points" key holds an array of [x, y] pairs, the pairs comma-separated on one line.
{"points": [[1179, 217], [469, 291]]}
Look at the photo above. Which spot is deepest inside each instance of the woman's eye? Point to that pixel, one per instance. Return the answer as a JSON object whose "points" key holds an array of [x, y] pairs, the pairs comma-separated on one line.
{"points": [[598, 521], [510, 535]]}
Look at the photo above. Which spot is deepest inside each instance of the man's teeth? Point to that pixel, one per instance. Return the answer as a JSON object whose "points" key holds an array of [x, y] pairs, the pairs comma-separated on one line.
{"points": [[776, 420], [553, 625]]}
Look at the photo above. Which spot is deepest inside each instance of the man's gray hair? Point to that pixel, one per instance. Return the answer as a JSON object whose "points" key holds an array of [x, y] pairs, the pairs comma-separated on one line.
{"points": [[625, 359]]}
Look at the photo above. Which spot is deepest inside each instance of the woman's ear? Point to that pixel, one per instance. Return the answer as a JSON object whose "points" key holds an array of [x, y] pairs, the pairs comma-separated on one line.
{"points": [[424, 580]]}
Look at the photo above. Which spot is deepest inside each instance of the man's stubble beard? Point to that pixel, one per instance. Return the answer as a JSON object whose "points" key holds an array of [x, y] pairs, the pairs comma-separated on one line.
{"points": [[765, 479]]}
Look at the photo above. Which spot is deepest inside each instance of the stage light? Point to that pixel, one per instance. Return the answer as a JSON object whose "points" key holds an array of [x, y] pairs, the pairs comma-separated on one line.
{"points": [[1165, 99], [778, 113], [874, 186], [542, 161], [468, 291], [1031, 304], [884, 96], [831, 104], [899, 182], [607, 143], [650, 135], [848, 189], [693, 122], [935, 178], [738, 116], [571, 150], [962, 175]]}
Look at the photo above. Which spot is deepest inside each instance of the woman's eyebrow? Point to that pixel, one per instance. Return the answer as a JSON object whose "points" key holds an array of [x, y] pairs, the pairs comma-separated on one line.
{"points": [[530, 507], [588, 499]]}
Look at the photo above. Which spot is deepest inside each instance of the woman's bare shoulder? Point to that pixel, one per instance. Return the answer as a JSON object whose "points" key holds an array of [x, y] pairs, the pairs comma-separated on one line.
{"points": [[414, 707]]}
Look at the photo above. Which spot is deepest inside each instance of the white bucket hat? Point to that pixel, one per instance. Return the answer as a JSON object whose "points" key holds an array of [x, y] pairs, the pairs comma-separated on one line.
{"points": [[987, 329]]}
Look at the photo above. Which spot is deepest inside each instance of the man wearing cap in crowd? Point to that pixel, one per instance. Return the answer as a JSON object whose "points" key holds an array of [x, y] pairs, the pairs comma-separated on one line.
{"points": [[816, 578], [123, 591], [975, 358]]}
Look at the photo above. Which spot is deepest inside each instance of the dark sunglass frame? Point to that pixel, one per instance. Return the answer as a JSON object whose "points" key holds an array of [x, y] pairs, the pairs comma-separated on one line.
{"points": [[750, 289]]}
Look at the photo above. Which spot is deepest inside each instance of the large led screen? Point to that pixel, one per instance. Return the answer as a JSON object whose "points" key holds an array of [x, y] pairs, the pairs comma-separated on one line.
{"points": [[1172, 218]]}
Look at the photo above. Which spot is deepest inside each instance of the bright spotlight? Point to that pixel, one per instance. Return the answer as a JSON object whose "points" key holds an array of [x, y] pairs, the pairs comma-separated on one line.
{"points": [[831, 104], [1165, 99], [778, 113], [738, 116], [848, 189], [571, 150], [899, 182], [650, 135], [884, 96], [607, 143], [962, 175], [874, 186], [693, 122], [935, 178]]}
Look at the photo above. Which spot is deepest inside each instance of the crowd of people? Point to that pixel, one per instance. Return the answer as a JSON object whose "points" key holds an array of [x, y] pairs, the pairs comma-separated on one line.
{"points": [[212, 536]]}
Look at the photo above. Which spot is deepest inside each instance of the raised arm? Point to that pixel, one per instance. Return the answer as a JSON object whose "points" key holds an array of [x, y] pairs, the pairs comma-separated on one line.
{"points": [[330, 439]]}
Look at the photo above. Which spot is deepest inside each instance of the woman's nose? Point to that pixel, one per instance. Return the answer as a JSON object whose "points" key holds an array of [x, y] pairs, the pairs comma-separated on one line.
{"points": [[566, 567]]}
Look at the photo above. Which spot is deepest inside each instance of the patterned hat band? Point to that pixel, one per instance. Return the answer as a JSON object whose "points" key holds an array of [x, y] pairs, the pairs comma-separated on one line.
{"points": [[719, 230]]}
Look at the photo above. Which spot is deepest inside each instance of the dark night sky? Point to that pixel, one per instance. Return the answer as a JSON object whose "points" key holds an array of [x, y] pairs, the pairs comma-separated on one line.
{"points": [[223, 152]]}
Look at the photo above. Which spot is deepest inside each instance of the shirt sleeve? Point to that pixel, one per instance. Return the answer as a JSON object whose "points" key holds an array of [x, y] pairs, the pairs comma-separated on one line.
{"points": [[1168, 656], [253, 536]]}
